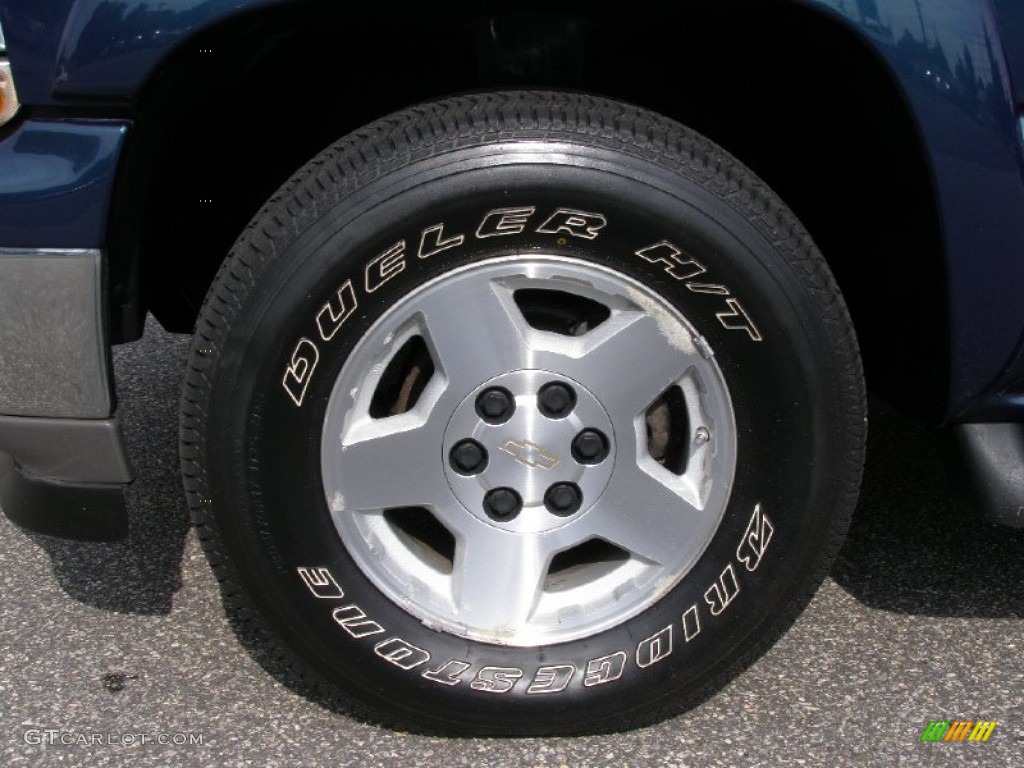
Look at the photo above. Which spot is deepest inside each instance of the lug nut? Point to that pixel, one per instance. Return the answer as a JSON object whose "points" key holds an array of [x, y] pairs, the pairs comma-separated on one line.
{"points": [[590, 447], [502, 504], [563, 499], [556, 400], [495, 405], [468, 457]]}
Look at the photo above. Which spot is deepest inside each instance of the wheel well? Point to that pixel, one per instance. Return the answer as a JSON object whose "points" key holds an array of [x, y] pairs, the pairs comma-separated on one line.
{"points": [[792, 93]]}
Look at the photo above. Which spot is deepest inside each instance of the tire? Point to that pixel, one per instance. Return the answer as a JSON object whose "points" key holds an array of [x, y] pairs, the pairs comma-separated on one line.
{"points": [[522, 413]]}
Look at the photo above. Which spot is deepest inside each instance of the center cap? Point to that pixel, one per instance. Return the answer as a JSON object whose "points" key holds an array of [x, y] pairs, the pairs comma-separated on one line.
{"points": [[532, 435]]}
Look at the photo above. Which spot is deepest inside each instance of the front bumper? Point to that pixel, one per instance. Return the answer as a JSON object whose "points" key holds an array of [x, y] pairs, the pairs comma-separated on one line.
{"points": [[63, 466], [67, 464]]}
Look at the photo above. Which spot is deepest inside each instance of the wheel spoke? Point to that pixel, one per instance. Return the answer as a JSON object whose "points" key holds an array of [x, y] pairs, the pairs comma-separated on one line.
{"points": [[393, 462], [475, 331], [498, 579], [647, 515], [627, 361], [630, 361]]}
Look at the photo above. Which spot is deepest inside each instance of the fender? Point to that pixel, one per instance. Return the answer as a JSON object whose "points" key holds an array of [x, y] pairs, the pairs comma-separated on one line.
{"points": [[968, 123], [76, 48]]}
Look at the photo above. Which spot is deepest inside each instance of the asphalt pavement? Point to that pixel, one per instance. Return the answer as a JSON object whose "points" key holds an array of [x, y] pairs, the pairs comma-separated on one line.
{"points": [[121, 654]]}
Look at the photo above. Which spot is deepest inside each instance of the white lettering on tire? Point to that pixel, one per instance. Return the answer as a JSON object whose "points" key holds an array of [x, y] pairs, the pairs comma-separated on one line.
{"points": [[448, 673], [299, 371], [755, 540], [384, 267], [504, 221], [496, 679], [329, 320], [691, 623], [737, 319], [354, 620], [572, 222], [668, 256], [675, 263], [604, 669], [438, 242], [655, 648], [722, 592], [321, 583], [499, 222], [401, 653], [713, 289], [553, 679]]}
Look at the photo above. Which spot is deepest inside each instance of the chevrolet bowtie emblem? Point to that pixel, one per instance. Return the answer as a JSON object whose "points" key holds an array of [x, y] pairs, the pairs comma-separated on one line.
{"points": [[530, 454]]}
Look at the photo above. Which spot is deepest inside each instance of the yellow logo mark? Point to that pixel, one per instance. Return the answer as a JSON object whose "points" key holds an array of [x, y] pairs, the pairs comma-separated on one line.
{"points": [[958, 730]]}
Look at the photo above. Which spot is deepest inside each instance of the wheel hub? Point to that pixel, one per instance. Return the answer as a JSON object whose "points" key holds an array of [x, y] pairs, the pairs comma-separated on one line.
{"points": [[531, 452]]}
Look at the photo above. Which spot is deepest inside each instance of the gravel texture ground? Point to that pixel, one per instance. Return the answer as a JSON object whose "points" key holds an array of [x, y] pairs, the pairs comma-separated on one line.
{"points": [[922, 619]]}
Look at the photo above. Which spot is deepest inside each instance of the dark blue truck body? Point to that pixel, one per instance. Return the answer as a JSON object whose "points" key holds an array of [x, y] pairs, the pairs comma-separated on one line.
{"points": [[90, 76]]}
